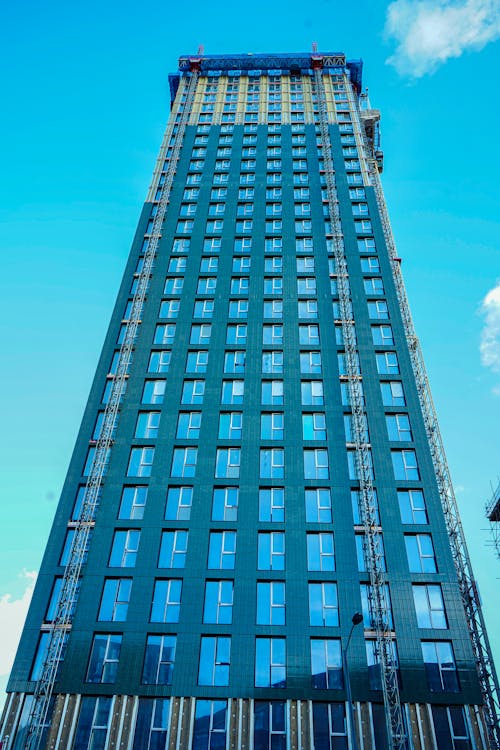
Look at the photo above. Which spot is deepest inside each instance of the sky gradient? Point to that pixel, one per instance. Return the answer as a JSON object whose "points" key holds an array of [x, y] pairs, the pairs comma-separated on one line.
{"points": [[85, 100]]}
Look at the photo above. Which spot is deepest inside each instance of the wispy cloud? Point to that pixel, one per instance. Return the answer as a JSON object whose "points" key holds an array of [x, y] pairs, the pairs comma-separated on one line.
{"points": [[12, 615], [429, 32], [490, 335]]}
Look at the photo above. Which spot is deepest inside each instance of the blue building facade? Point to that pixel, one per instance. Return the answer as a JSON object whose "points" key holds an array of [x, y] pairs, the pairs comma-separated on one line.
{"points": [[233, 539]]}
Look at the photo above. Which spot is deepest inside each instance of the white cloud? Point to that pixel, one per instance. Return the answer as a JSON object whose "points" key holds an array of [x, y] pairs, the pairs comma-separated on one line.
{"points": [[12, 615], [489, 346], [429, 32]]}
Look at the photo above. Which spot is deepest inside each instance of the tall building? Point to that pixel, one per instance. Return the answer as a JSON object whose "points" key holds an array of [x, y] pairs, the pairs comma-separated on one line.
{"points": [[259, 460]]}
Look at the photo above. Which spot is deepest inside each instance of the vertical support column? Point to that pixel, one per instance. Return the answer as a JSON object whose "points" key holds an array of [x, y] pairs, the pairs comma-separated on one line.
{"points": [[219, 100], [242, 100], [263, 99], [197, 100], [285, 100]]}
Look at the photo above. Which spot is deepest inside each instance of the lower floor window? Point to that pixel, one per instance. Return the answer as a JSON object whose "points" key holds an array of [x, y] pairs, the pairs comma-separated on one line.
{"points": [[270, 725], [210, 725], [330, 726], [151, 729], [93, 724], [450, 727]]}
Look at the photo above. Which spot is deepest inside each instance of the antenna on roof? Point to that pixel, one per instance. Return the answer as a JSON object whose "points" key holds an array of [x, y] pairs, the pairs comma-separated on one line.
{"points": [[201, 49], [315, 46]]}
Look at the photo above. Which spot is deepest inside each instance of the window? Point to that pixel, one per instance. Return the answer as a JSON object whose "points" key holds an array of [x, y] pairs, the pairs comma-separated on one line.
{"points": [[270, 725], [274, 264], [240, 285], [314, 426], [404, 464], [140, 462], [273, 308], [370, 617], [222, 550], [272, 426], [271, 550], [214, 660], [173, 549], [318, 505], [309, 335], [398, 427], [387, 363], [362, 552], [227, 463], [429, 606], [271, 603], [272, 463], [378, 310], [373, 662], [124, 548], [242, 264], [323, 605], [316, 463], [230, 425], [326, 664], [450, 728], [236, 334], [420, 552], [270, 662], [272, 335], [440, 667], [200, 334], [133, 502], [218, 607], [93, 723], [382, 336], [273, 285], [272, 362], [177, 265], [312, 392], [203, 308], [412, 506], [104, 656], [374, 285], [320, 552], [169, 308], [154, 390], [225, 504], [166, 600], [349, 430], [193, 392], [159, 361], [392, 393], [151, 729], [234, 362], [179, 503], [232, 391], [115, 599], [306, 285], [206, 285], [209, 265], [272, 504], [330, 726], [147, 425], [310, 363], [184, 462], [197, 361], [210, 720], [238, 308], [357, 511], [305, 265], [272, 392], [308, 309], [159, 660]]}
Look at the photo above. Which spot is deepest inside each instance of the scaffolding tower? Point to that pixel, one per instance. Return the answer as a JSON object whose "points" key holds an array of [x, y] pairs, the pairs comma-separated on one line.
{"points": [[493, 516]]}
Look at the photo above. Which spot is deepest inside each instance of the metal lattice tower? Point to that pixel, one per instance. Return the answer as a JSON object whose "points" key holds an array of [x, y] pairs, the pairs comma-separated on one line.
{"points": [[61, 627], [470, 596], [373, 540], [493, 516]]}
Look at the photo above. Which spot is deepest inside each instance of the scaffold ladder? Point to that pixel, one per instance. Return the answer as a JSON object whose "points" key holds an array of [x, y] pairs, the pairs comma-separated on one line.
{"points": [[373, 541], [61, 625], [470, 596]]}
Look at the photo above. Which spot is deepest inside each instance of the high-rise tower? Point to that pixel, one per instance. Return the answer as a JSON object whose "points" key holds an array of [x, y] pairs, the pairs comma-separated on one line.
{"points": [[259, 460]]}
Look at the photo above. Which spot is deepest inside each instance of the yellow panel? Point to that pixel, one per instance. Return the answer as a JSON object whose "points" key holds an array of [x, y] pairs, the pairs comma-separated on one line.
{"points": [[285, 100], [219, 100]]}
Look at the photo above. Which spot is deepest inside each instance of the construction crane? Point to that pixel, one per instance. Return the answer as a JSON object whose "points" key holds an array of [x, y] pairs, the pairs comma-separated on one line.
{"points": [[61, 626], [379, 600], [470, 596]]}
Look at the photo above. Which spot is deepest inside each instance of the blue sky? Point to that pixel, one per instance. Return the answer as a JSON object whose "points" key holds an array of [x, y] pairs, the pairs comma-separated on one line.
{"points": [[85, 102]]}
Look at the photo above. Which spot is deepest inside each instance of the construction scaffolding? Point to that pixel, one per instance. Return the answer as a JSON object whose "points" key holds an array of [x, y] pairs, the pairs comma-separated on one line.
{"points": [[373, 547], [44, 688], [493, 516], [470, 597]]}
